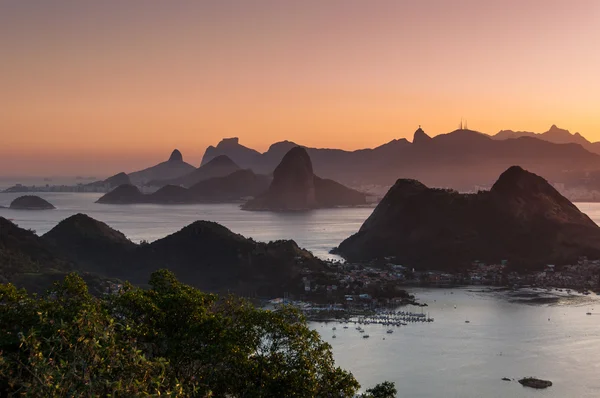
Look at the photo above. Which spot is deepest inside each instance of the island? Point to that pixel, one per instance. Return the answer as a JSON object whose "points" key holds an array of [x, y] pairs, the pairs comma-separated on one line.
{"points": [[532, 382], [31, 202], [295, 187]]}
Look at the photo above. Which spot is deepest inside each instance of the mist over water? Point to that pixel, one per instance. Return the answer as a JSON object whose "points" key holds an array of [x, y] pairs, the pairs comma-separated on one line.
{"points": [[446, 358]]}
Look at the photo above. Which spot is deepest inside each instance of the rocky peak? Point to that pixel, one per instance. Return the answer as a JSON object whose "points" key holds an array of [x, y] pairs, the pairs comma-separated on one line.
{"points": [[228, 142], [420, 136], [176, 156], [296, 164], [515, 181]]}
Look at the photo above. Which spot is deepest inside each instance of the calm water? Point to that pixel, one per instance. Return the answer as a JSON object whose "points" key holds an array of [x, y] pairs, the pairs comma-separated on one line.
{"points": [[450, 358], [446, 358], [318, 230]]}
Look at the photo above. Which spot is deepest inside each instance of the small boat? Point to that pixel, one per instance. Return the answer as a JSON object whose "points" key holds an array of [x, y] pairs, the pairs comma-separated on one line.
{"points": [[334, 336], [365, 336], [333, 328], [588, 313], [390, 331], [345, 327]]}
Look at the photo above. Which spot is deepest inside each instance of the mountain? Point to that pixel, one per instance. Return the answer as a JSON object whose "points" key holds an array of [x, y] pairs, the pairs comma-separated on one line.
{"points": [[555, 135], [31, 202], [241, 155], [211, 257], [462, 159], [111, 182], [22, 251], [92, 245], [522, 219], [234, 187], [203, 254], [123, 194], [295, 187], [217, 167], [173, 168]]}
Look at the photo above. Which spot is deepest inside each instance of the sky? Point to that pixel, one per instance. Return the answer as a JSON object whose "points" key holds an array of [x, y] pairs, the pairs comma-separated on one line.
{"points": [[107, 86]]}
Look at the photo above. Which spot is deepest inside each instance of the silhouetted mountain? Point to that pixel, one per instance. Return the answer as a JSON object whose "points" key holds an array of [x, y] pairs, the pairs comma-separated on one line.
{"points": [[461, 159], [22, 251], [231, 188], [295, 187], [555, 135], [203, 254], [173, 168], [111, 182], [522, 219], [217, 167], [241, 155], [91, 244], [211, 257], [31, 202], [420, 137], [123, 194]]}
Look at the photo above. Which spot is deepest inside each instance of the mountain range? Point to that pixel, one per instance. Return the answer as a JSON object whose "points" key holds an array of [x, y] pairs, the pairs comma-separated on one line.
{"points": [[462, 159], [204, 254], [555, 135]]}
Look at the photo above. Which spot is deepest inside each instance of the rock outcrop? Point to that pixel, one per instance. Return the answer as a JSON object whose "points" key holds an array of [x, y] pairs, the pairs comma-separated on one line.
{"points": [[532, 382], [31, 202], [295, 188], [522, 219]]}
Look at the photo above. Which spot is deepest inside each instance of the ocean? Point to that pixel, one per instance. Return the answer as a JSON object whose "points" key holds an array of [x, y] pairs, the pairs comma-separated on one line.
{"points": [[506, 337]]}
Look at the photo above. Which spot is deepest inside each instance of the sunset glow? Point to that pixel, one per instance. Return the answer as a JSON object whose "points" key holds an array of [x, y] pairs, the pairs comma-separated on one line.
{"points": [[114, 86]]}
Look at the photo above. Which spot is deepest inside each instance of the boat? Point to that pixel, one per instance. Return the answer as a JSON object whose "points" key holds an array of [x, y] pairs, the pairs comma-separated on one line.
{"points": [[345, 327], [333, 328], [334, 336], [588, 313], [390, 331], [365, 336]]}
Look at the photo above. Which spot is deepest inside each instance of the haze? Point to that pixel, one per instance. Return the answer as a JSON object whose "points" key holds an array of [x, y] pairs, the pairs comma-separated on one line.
{"points": [[114, 86]]}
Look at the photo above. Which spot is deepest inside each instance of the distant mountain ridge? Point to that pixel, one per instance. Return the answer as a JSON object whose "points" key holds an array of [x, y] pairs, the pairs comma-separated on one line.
{"points": [[233, 187], [462, 159], [174, 167], [219, 166], [555, 135]]}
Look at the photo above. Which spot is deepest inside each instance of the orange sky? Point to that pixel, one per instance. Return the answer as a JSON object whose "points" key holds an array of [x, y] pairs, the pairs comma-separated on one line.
{"points": [[116, 85]]}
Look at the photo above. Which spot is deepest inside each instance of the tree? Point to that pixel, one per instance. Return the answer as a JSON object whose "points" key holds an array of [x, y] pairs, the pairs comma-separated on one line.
{"points": [[170, 339], [387, 389]]}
